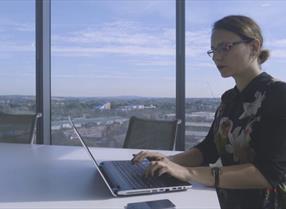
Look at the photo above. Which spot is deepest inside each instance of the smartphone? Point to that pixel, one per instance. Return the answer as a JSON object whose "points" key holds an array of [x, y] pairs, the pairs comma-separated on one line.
{"points": [[155, 204]]}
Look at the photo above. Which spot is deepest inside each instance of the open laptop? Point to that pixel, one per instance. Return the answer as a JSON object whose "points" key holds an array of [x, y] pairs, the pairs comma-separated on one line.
{"points": [[124, 178]]}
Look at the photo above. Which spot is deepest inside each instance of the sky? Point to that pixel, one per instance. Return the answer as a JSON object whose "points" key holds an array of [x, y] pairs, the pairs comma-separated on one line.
{"points": [[127, 47]]}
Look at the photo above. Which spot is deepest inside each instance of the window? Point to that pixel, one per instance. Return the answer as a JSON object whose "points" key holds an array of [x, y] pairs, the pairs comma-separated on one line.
{"points": [[111, 60], [204, 86], [17, 56]]}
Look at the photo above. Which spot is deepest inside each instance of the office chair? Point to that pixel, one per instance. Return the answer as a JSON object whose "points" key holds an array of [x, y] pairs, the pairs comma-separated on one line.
{"points": [[151, 134], [18, 128]]}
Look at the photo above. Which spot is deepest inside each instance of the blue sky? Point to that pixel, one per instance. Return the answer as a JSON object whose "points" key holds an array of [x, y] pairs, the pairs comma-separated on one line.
{"points": [[125, 47]]}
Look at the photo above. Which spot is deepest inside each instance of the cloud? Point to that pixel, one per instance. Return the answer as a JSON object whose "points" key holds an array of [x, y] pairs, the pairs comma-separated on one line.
{"points": [[16, 47], [89, 76], [168, 63], [201, 66], [119, 37], [111, 76], [277, 48], [124, 38], [8, 25], [197, 43], [119, 33], [278, 53], [17, 74], [159, 8], [128, 38], [124, 50], [277, 43], [265, 5]]}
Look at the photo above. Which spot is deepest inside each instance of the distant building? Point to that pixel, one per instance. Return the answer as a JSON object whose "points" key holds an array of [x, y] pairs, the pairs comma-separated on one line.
{"points": [[106, 106], [137, 107]]}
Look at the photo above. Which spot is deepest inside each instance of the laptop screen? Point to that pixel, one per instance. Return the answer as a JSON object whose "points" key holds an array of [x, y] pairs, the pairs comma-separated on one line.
{"points": [[90, 154], [82, 141]]}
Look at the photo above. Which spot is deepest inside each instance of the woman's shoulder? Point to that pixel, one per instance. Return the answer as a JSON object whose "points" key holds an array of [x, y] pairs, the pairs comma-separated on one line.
{"points": [[277, 88], [278, 84], [276, 96]]}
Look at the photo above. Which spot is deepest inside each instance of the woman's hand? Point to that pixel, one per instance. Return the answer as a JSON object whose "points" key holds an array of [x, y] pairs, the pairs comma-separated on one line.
{"points": [[165, 166], [160, 164], [151, 156]]}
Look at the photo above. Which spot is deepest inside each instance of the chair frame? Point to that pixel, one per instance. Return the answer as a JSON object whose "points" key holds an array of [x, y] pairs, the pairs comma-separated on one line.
{"points": [[132, 118], [33, 129]]}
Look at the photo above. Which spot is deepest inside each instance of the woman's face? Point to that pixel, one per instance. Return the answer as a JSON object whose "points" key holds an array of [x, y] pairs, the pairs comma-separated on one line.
{"points": [[231, 56]]}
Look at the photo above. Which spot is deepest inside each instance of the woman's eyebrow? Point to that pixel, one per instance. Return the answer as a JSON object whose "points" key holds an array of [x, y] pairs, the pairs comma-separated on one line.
{"points": [[219, 44], [213, 47]]}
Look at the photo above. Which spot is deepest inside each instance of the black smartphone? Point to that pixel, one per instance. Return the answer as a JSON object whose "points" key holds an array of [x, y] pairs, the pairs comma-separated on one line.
{"points": [[155, 204]]}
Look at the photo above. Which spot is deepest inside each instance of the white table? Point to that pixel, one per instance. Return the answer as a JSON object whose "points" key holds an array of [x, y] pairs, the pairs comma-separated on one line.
{"points": [[43, 176]]}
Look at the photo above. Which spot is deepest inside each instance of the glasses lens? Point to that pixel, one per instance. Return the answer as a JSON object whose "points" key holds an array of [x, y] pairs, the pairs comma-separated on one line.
{"points": [[223, 48]]}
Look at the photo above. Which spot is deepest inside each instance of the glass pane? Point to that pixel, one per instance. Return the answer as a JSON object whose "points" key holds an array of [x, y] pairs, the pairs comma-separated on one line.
{"points": [[204, 86], [111, 60], [17, 56]]}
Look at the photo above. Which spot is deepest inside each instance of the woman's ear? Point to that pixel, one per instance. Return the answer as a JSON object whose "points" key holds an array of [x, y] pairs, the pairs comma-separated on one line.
{"points": [[255, 47]]}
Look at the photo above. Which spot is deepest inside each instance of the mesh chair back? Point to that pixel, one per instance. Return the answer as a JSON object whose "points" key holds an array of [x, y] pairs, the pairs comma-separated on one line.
{"points": [[151, 134], [17, 128]]}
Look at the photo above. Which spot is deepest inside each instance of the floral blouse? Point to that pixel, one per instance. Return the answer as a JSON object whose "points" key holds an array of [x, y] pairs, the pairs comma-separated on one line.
{"points": [[250, 127]]}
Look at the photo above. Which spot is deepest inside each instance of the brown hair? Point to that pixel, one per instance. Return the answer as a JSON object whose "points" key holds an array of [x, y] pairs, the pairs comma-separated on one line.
{"points": [[244, 27]]}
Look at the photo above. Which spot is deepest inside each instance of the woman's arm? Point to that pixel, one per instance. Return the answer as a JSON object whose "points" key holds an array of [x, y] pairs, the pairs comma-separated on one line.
{"points": [[181, 166], [190, 158], [242, 176]]}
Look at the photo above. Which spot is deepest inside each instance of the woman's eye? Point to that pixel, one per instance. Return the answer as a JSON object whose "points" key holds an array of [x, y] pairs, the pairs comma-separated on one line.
{"points": [[227, 47]]}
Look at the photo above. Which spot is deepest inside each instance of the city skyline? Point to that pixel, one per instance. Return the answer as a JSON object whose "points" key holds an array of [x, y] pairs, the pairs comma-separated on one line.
{"points": [[123, 48]]}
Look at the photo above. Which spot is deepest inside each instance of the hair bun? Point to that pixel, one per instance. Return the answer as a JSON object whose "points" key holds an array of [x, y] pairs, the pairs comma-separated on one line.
{"points": [[263, 56]]}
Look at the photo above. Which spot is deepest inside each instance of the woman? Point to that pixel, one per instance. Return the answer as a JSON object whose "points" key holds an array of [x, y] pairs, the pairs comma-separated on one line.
{"points": [[249, 129]]}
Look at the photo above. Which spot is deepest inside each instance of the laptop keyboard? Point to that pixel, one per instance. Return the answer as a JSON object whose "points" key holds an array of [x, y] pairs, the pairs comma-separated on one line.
{"points": [[134, 174]]}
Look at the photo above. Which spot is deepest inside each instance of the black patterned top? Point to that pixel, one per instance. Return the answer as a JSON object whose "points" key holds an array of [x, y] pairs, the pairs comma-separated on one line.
{"points": [[250, 127]]}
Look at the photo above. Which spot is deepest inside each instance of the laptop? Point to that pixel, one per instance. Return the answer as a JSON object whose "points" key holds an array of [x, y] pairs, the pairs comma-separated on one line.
{"points": [[124, 178]]}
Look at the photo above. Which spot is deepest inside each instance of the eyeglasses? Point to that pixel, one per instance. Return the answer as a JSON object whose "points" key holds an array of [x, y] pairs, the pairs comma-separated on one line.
{"points": [[224, 48]]}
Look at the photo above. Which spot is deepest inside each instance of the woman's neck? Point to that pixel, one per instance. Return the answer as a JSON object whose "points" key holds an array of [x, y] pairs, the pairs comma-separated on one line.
{"points": [[243, 79]]}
